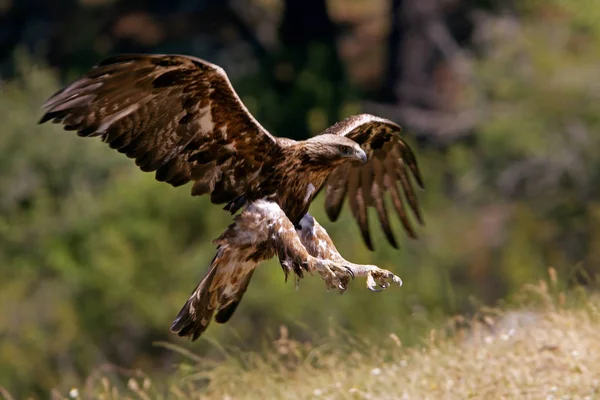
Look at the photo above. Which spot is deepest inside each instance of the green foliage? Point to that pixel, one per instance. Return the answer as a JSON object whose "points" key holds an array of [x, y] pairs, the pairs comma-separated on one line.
{"points": [[539, 142]]}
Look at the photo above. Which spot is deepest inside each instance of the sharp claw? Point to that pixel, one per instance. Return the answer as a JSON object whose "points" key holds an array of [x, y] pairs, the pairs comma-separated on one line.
{"points": [[371, 284], [383, 284], [397, 280], [381, 279], [350, 272], [338, 276]]}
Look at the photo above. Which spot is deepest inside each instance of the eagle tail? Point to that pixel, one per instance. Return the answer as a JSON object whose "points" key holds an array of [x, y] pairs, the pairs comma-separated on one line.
{"points": [[220, 291]]}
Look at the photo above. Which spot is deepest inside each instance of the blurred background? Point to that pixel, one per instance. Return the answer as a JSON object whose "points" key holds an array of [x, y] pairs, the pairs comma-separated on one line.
{"points": [[500, 100]]}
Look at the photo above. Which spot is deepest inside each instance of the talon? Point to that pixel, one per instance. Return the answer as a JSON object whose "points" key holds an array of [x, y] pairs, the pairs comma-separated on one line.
{"points": [[350, 272], [384, 284], [397, 280], [381, 279], [371, 284]]}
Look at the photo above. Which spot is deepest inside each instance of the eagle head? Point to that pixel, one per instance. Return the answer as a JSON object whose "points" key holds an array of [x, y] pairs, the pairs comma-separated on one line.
{"points": [[334, 149]]}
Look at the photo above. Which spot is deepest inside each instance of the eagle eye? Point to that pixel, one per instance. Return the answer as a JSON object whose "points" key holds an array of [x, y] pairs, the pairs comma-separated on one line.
{"points": [[345, 150]]}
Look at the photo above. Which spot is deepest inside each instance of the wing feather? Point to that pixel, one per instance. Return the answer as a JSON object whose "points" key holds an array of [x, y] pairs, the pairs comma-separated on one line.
{"points": [[176, 115], [336, 191], [377, 194], [409, 191], [358, 206], [391, 162], [396, 196]]}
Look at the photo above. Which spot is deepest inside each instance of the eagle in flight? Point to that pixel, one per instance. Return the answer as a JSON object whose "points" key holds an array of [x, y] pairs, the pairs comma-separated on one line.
{"points": [[180, 117]]}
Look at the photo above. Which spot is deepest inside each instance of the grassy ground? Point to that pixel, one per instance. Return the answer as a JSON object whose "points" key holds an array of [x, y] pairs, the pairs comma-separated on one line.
{"points": [[547, 348]]}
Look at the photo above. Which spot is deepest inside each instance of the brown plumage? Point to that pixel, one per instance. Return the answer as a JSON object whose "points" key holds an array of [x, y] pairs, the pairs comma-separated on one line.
{"points": [[180, 117], [390, 163]]}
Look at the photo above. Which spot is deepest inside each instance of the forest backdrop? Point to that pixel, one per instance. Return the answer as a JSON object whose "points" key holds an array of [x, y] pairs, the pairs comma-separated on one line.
{"points": [[500, 100]]}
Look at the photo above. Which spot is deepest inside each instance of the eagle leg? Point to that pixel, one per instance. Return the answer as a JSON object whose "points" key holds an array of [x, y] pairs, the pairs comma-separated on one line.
{"points": [[318, 244], [293, 257], [292, 254]]}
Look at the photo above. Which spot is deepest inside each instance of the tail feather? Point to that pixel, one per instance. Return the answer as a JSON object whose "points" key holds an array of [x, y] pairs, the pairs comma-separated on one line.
{"points": [[229, 305], [221, 290]]}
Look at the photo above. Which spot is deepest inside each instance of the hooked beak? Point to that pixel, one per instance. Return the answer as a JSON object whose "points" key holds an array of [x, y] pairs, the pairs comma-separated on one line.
{"points": [[362, 156]]}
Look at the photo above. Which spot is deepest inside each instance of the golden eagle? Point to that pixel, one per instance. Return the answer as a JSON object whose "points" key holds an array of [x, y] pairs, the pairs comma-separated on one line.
{"points": [[180, 117]]}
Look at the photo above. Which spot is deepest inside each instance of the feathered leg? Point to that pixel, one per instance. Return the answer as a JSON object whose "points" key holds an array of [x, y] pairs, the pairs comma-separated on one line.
{"points": [[261, 231], [294, 257], [318, 243]]}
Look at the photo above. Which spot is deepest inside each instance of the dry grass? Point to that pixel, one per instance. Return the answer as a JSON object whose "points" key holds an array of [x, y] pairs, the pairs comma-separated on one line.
{"points": [[546, 349]]}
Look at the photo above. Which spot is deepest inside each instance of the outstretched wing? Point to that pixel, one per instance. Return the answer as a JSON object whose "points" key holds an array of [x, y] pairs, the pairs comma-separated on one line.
{"points": [[390, 164], [176, 115]]}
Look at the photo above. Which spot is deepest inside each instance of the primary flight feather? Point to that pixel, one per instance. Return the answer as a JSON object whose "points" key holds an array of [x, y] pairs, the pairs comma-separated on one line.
{"points": [[179, 117]]}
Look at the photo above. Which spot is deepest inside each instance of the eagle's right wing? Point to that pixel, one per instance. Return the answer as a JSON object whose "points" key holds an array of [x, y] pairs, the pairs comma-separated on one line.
{"points": [[176, 115], [391, 163]]}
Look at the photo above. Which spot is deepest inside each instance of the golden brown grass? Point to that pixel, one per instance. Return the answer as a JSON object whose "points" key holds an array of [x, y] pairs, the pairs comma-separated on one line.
{"points": [[548, 348]]}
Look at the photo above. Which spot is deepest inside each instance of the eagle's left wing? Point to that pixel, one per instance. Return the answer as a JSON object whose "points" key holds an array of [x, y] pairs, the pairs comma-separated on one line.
{"points": [[390, 162], [175, 115]]}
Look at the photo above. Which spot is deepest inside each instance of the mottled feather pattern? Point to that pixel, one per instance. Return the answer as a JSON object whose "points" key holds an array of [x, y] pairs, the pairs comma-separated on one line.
{"points": [[240, 249], [180, 118], [316, 241], [220, 291], [176, 115], [258, 233], [391, 162]]}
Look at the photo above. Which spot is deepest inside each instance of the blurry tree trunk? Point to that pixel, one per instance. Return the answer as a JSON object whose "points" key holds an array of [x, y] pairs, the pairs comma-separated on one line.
{"points": [[424, 75], [395, 44]]}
